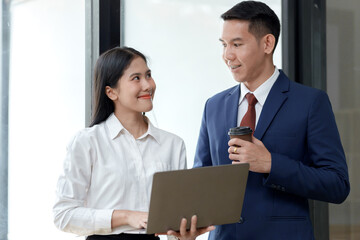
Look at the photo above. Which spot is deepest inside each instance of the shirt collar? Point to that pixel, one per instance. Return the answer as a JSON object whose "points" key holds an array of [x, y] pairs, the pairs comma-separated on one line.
{"points": [[152, 131], [114, 125], [115, 128], [262, 91]]}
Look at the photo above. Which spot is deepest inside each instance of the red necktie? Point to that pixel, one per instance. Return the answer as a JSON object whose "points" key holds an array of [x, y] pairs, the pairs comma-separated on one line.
{"points": [[250, 116]]}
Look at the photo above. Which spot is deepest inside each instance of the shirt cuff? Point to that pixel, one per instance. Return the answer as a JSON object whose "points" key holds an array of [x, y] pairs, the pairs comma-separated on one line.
{"points": [[103, 220]]}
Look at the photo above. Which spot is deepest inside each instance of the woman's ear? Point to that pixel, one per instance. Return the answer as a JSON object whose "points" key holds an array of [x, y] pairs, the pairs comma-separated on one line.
{"points": [[269, 43], [111, 93]]}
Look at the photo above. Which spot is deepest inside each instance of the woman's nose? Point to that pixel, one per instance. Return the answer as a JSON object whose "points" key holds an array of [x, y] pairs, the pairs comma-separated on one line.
{"points": [[146, 85]]}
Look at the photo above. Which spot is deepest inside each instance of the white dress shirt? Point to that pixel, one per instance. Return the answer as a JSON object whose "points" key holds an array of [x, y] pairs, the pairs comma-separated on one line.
{"points": [[105, 169], [260, 93]]}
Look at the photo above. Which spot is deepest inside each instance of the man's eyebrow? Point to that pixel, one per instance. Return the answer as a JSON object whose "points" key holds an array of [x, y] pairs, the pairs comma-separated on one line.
{"points": [[232, 40]]}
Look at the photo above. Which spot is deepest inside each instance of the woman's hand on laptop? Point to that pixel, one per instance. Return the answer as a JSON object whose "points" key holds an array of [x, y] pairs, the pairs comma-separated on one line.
{"points": [[192, 233], [133, 218]]}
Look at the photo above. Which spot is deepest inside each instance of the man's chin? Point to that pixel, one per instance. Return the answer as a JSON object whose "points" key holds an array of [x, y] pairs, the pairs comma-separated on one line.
{"points": [[239, 80]]}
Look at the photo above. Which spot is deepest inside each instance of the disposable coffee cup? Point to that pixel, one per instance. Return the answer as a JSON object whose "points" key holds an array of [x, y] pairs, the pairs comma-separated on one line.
{"points": [[244, 133]]}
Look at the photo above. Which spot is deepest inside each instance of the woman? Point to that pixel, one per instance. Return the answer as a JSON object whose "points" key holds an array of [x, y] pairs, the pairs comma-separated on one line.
{"points": [[105, 189]]}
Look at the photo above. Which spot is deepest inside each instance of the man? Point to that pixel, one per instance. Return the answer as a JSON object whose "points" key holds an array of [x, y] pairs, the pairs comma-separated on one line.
{"points": [[295, 153]]}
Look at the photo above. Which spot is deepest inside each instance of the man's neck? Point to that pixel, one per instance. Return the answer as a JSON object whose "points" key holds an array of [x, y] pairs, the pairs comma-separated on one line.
{"points": [[266, 73]]}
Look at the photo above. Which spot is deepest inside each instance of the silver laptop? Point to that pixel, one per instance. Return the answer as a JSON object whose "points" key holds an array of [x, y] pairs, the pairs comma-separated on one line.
{"points": [[215, 194]]}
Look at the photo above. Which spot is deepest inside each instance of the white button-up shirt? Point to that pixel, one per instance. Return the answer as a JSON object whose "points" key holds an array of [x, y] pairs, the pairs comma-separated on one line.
{"points": [[105, 169], [260, 93]]}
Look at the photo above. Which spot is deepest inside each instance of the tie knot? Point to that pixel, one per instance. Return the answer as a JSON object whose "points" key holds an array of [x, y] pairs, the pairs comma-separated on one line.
{"points": [[251, 99]]}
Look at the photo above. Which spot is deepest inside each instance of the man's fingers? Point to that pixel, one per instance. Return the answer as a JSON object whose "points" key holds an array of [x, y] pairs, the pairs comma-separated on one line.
{"points": [[236, 157], [238, 142], [193, 224], [183, 226], [234, 150], [193, 233], [206, 229]]}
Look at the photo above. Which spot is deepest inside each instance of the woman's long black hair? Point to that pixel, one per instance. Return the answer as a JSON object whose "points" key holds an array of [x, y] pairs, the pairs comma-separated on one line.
{"points": [[109, 69]]}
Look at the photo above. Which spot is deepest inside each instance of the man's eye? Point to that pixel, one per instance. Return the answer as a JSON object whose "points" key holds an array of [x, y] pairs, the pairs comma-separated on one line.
{"points": [[148, 75], [136, 78], [237, 44]]}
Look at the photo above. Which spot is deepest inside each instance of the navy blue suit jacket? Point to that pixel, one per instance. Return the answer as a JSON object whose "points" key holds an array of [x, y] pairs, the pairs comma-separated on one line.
{"points": [[298, 128]]}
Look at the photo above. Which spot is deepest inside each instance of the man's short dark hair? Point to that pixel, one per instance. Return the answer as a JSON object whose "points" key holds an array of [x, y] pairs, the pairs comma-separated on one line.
{"points": [[262, 19]]}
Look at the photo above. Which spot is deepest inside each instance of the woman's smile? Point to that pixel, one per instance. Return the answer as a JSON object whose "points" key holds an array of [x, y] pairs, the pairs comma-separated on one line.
{"points": [[146, 96]]}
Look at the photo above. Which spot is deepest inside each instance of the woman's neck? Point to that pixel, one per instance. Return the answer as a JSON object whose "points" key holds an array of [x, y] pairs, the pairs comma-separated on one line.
{"points": [[133, 122]]}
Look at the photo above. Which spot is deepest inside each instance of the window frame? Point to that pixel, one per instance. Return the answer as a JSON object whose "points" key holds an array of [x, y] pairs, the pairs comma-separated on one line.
{"points": [[304, 61], [104, 26], [4, 119]]}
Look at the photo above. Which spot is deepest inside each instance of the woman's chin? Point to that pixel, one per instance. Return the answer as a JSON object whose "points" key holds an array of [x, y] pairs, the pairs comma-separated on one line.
{"points": [[148, 109]]}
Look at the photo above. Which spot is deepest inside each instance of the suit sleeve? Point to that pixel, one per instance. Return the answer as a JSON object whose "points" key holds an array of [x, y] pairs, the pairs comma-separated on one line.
{"points": [[202, 154], [322, 174]]}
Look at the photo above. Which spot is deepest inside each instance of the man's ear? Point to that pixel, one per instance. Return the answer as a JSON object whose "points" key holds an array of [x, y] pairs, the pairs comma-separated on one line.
{"points": [[110, 92], [269, 43]]}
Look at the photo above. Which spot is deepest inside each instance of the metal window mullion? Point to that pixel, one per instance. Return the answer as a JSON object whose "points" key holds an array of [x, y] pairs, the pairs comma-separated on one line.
{"points": [[91, 51], [4, 118]]}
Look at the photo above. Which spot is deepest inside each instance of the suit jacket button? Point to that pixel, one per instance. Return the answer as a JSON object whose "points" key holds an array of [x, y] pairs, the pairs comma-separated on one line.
{"points": [[241, 220]]}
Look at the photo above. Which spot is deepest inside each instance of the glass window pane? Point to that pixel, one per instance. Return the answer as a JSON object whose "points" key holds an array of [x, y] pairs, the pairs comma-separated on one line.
{"points": [[343, 86], [47, 103], [181, 39]]}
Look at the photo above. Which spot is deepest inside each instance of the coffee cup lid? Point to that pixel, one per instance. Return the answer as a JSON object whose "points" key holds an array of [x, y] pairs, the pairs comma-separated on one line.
{"points": [[240, 131]]}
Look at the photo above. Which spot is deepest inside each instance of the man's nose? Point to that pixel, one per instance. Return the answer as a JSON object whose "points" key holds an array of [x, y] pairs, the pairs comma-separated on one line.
{"points": [[228, 54]]}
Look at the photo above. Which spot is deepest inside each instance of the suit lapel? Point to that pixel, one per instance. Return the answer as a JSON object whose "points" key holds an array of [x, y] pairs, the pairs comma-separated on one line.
{"points": [[231, 107], [273, 103]]}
